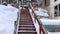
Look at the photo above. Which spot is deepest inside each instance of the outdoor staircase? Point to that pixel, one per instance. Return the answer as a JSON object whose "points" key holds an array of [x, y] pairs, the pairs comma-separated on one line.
{"points": [[26, 25]]}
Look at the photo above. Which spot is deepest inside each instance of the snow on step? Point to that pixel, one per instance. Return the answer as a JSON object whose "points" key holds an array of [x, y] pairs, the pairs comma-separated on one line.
{"points": [[26, 31]]}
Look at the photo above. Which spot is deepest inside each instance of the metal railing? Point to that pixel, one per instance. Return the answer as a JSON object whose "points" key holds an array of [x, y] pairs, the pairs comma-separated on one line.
{"points": [[17, 22], [41, 29]]}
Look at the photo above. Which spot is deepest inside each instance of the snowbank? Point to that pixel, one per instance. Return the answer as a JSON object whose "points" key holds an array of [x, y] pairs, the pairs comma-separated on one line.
{"points": [[45, 21], [53, 32], [41, 12], [8, 15]]}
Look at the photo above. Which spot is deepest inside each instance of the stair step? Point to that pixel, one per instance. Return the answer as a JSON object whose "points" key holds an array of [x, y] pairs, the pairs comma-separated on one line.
{"points": [[26, 32], [28, 16], [27, 27], [25, 20], [25, 23], [25, 17]]}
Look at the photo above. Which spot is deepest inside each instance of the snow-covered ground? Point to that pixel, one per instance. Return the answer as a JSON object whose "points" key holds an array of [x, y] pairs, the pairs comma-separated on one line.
{"points": [[50, 21], [53, 32], [53, 23], [46, 21], [8, 15], [41, 12]]}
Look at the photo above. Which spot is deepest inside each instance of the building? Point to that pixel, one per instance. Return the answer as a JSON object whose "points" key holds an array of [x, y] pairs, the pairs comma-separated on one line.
{"points": [[53, 7]]}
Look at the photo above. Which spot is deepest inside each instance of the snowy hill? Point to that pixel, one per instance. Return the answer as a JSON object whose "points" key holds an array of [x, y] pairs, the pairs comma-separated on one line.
{"points": [[8, 15]]}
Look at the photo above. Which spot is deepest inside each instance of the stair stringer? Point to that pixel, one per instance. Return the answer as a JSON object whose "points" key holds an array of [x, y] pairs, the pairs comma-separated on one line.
{"points": [[18, 19], [35, 23]]}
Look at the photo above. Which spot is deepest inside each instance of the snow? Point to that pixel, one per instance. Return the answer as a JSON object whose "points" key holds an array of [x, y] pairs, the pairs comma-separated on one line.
{"points": [[45, 21], [8, 15], [53, 32], [41, 12], [53, 22]]}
